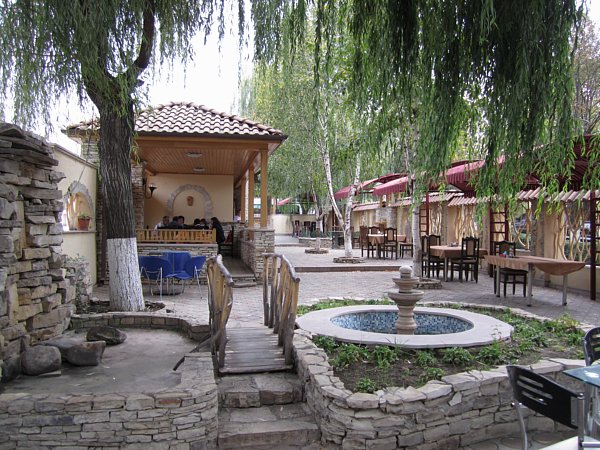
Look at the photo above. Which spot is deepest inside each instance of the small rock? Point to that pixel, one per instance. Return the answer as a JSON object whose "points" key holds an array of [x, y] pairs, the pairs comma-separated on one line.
{"points": [[86, 353], [11, 368], [110, 335], [40, 359]]}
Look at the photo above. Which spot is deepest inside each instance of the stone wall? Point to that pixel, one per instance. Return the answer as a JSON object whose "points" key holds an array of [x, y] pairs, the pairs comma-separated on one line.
{"points": [[35, 297], [182, 417], [312, 242], [459, 410], [254, 242]]}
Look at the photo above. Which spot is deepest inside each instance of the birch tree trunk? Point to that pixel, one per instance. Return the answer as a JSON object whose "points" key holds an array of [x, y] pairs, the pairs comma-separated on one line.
{"points": [[416, 236]]}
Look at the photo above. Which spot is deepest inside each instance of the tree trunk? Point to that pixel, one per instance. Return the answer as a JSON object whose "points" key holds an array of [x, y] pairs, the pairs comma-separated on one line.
{"points": [[416, 235], [116, 139]]}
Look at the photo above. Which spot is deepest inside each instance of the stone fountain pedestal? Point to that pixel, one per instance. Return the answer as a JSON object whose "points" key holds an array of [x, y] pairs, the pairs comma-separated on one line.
{"points": [[405, 300]]}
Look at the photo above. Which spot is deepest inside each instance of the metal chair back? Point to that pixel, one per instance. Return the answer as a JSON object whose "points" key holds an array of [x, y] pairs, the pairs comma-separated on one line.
{"points": [[591, 346]]}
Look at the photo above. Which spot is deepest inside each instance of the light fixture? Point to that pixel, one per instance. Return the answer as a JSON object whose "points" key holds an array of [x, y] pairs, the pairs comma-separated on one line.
{"points": [[199, 169], [193, 154], [151, 187]]}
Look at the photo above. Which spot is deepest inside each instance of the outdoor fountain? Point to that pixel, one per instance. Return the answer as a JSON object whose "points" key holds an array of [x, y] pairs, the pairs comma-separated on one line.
{"points": [[405, 324], [405, 300]]}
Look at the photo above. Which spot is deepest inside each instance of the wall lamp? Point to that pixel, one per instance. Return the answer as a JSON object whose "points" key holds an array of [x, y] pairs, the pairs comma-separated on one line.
{"points": [[151, 187]]}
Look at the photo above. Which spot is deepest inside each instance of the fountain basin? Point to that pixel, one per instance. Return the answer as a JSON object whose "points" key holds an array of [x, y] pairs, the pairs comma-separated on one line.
{"points": [[469, 329]]}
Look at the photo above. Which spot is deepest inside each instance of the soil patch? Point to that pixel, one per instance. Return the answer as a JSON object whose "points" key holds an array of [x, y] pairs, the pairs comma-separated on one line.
{"points": [[143, 362], [96, 306]]}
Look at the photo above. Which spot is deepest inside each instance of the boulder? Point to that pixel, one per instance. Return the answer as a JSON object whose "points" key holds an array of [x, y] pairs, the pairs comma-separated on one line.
{"points": [[110, 335], [11, 368], [86, 353], [40, 359]]}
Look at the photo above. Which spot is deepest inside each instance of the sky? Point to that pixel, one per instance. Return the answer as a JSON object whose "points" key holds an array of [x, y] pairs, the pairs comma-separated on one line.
{"points": [[211, 79]]}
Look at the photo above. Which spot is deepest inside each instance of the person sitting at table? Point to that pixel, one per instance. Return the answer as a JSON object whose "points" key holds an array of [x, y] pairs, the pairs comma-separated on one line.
{"points": [[181, 222], [201, 224], [174, 224], [164, 223]]}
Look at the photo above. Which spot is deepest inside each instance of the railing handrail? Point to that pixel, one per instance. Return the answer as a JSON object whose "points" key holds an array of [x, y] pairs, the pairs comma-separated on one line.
{"points": [[220, 301], [280, 300], [183, 235]]}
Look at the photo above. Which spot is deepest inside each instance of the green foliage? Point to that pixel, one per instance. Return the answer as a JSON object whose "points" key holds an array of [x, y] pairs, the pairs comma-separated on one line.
{"points": [[366, 385], [350, 353], [383, 356], [494, 354], [426, 358], [431, 373], [457, 356], [326, 343]]}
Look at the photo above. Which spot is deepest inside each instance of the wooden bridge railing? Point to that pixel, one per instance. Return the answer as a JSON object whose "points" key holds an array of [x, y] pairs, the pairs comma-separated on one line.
{"points": [[220, 301], [186, 236], [280, 299]]}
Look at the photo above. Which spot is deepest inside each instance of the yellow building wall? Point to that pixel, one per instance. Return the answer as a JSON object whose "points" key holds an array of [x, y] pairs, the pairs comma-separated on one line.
{"points": [[81, 177], [176, 188]]}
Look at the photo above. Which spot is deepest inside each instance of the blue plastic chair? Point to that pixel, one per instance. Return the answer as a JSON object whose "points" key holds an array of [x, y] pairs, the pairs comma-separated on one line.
{"points": [[177, 260], [192, 270], [156, 270]]}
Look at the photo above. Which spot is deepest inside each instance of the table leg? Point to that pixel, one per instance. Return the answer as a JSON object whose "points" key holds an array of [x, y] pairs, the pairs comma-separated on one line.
{"points": [[564, 297], [446, 270], [529, 284], [497, 281]]}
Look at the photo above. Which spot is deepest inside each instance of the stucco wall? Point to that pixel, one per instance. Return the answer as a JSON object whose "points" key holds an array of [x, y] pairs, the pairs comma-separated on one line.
{"points": [[80, 176], [212, 196]]}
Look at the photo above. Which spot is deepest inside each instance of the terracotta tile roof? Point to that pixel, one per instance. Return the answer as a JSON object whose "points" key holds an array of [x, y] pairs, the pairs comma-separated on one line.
{"points": [[190, 119]]}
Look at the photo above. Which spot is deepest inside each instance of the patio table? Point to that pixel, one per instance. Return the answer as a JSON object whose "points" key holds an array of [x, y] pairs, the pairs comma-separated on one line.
{"points": [[549, 265], [378, 240], [448, 252]]}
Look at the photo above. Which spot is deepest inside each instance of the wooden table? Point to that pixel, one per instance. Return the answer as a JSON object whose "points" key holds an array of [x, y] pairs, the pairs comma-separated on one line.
{"points": [[548, 265], [448, 252], [378, 240]]}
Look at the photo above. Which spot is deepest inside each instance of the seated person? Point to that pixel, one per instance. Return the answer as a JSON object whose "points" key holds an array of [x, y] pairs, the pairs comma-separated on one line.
{"points": [[174, 224], [164, 223], [201, 224]]}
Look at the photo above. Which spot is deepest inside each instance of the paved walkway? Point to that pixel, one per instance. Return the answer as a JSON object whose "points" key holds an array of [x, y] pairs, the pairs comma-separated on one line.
{"points": [[314, 286]]}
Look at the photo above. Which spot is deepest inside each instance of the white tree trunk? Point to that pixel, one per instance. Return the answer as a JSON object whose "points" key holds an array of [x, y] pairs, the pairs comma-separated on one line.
{"points": [[124, 275], [416, 235]]}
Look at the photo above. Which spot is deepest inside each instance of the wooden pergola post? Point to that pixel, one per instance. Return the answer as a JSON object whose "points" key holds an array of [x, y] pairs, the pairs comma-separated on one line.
{"points": [[264, 207], [251, 197], [243, 187]]}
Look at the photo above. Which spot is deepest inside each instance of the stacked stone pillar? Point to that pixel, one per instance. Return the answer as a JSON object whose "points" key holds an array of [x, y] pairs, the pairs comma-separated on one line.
{"points": [[35, 297]]}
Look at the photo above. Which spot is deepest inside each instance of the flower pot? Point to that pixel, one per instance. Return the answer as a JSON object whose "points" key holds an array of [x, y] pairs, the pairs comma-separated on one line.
{"points": [[83, 224]]}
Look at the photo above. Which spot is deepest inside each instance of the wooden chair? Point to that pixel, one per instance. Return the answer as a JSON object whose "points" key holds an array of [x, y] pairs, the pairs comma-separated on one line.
{"points": [[405, 247], [364, 242], [434, 263], [390, 242], [548, 398], [468, 261], [509, 276]]}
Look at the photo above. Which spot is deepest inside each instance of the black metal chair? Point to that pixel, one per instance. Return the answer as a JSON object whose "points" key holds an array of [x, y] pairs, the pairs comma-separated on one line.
{"points": [[390, 243], [591, 346], [545, 397], [434, 263], [468, 261], [509, 276]]}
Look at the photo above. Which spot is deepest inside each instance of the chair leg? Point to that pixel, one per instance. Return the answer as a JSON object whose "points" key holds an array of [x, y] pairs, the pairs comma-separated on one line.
{"points": [[522, 426]]}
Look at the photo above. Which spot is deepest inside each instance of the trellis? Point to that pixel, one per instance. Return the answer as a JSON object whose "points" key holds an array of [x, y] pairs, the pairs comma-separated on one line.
{"points": [[465, 224], [571, 242]]}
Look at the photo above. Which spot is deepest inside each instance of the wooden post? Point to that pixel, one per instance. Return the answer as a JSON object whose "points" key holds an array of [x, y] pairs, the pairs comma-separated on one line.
{"points": [[251, 197], [243, 198], [264, 207]]}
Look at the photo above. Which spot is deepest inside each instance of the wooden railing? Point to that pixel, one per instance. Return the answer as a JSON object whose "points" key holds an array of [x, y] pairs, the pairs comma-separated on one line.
{"points": [[220, 301], [280, 299], [186, 236]]}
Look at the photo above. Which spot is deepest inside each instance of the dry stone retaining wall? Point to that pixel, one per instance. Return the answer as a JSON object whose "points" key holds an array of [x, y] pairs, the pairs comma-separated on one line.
{"points": [[35, 297], [459, 410]]}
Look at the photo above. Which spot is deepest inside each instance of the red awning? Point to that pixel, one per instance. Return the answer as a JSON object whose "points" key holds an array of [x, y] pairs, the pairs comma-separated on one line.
{"points": [[460, 175], [397, 185], [343, 192], [285, 201]]}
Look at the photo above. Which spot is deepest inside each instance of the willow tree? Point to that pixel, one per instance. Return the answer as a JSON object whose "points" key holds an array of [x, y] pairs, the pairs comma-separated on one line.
{"points": [[99, 50], [509, 60]]}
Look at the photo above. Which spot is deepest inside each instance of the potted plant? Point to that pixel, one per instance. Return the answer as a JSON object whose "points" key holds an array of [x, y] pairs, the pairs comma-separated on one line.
{"points": [[83, 221]]}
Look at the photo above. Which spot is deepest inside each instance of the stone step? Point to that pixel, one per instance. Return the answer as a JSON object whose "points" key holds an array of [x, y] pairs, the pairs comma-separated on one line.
{"points": [[290, 426], [253, 390], [244, 283]]}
